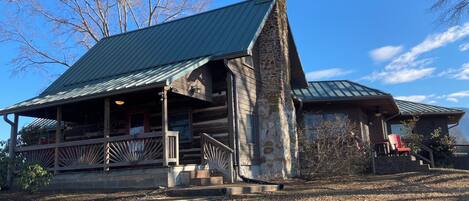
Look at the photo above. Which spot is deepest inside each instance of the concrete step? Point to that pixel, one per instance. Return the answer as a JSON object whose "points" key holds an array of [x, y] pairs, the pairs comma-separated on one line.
{"points": [[223, 190], [199, 174], [210, 181]]}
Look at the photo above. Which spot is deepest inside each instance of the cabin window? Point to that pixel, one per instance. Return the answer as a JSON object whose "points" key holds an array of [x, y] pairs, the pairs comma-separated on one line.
{"points": [[137, 124], [313, 121], [397, 129], [250, 128], [181, 123]]}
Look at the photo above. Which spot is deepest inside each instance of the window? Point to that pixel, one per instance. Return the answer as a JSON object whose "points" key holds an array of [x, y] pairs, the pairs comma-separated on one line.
{"points": [[250, 128], [181, 123], [397, 129], [137, 122], [313, 121]]}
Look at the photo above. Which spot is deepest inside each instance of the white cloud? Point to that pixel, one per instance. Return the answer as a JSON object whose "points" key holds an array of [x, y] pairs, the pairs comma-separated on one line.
{"points": [[455, 100], [401, 75], [385, 53], [464, 47], [454, 97], [460, 73], [409, 67], [327, 73], [414, 98]]}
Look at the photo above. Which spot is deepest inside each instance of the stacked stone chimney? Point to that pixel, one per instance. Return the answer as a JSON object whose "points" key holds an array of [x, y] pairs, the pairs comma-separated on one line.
{"points": [[277, 121]]}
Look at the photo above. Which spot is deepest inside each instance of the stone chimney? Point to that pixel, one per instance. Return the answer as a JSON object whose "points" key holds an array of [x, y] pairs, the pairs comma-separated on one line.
{"points": [[277, 120]]}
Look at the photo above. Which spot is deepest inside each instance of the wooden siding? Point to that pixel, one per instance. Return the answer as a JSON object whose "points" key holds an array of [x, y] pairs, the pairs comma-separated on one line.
{"points": [[247, 87]]}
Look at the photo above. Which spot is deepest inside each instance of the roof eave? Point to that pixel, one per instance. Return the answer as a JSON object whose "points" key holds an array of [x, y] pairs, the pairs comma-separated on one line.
{"points": [[83, 98]]}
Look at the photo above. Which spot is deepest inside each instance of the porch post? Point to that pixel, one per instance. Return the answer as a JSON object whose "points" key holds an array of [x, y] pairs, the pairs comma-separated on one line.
{"points": [[107, 131], [11, 147], [58, 138], [164, 124]]}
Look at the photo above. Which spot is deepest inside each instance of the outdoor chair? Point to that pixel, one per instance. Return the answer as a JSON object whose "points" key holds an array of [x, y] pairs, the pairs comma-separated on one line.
{"points": [[397, 146]]}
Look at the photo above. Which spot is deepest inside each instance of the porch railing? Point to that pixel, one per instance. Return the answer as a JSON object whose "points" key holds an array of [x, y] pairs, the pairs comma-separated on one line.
{"points": [[142, 149], [218, 156]]}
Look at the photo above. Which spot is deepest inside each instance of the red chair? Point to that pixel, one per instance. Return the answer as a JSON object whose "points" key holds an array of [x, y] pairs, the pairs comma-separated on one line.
{"points": [[397, 146]]}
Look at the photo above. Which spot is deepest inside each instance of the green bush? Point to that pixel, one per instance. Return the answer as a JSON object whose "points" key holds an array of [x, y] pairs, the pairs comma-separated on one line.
{"points": [[3, 165], [443, 147], [33, 177], [413, 139]]}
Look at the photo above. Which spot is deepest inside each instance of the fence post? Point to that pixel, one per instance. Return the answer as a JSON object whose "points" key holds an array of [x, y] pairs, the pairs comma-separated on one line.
{"points": [[58, 138]]}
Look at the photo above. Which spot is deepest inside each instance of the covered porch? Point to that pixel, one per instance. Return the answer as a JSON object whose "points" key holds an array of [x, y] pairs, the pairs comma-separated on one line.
{"points": [[170, 127]]}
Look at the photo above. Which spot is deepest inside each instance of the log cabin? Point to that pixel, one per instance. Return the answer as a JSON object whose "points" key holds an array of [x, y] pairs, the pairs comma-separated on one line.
{"points": [[222, 90], [145, 108]]}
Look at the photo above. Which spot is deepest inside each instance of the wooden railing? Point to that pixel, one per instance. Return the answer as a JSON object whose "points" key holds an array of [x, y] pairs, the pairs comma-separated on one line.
{"points": [[218, 156], [142, 149], [430, 160]]}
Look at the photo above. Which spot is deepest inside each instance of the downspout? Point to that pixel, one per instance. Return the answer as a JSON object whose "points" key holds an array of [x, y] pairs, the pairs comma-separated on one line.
{"points": [[236, 131]]}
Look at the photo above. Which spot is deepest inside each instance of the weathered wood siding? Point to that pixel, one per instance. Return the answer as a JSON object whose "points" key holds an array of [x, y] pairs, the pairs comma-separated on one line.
{"points": [[247, 87]]}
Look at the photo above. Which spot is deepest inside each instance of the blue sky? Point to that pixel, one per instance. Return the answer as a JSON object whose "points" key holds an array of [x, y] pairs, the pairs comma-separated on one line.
{"points": [[396, 46]]}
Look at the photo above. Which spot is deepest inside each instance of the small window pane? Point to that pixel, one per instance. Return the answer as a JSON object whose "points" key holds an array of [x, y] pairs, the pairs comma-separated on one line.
{"points": [[181, 124]]}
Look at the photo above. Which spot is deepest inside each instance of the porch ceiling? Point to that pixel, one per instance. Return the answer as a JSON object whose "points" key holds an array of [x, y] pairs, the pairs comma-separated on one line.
{"points": [[133, 81]]}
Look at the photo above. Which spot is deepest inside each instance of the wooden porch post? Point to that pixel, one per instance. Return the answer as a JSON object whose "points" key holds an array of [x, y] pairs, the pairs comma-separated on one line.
{"points": [[58, 138], [107, 132], [11, 147], [164, 124]]}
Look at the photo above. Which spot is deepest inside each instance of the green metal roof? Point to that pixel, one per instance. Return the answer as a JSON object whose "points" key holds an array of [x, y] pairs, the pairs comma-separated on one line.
{"points": [[151, 77], [157, 54], [412, 108], [219, 33], [336, 90]]}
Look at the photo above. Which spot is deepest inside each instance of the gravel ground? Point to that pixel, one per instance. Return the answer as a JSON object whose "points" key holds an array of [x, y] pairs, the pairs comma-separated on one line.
{"points": [[434, 185]]}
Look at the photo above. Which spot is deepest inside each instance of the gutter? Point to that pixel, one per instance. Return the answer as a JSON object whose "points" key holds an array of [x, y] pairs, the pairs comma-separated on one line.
{"points": [[236, 132], [454, 125]]}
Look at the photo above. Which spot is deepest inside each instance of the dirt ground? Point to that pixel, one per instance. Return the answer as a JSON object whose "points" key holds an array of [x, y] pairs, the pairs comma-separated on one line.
{"points": [[434, 185]]}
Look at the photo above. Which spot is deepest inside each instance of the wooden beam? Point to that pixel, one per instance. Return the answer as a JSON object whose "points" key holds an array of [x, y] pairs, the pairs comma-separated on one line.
{"points": [[107, 132], [11, 147], [164, 123], [58, 138]]}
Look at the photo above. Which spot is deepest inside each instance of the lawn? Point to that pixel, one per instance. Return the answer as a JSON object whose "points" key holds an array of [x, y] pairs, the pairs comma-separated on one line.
{"points": [[434, 185]]}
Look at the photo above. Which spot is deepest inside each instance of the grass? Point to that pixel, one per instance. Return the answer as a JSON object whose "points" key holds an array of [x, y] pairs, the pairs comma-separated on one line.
{"points": [[434, 185]]}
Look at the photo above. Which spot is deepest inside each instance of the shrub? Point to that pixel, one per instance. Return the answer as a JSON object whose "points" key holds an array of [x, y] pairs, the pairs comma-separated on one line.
{"points": [[442, 146], [333, 149], [33, 177], [3, 164], [412, 139]]}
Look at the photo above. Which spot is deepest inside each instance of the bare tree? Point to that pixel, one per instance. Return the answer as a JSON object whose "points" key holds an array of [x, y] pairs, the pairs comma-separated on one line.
{"points": [[49, 33], [452, 11]]}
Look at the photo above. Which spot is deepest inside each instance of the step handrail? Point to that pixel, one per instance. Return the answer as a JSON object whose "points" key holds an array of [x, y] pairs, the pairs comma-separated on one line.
{"points": [[430, 160], [217, 155]]}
